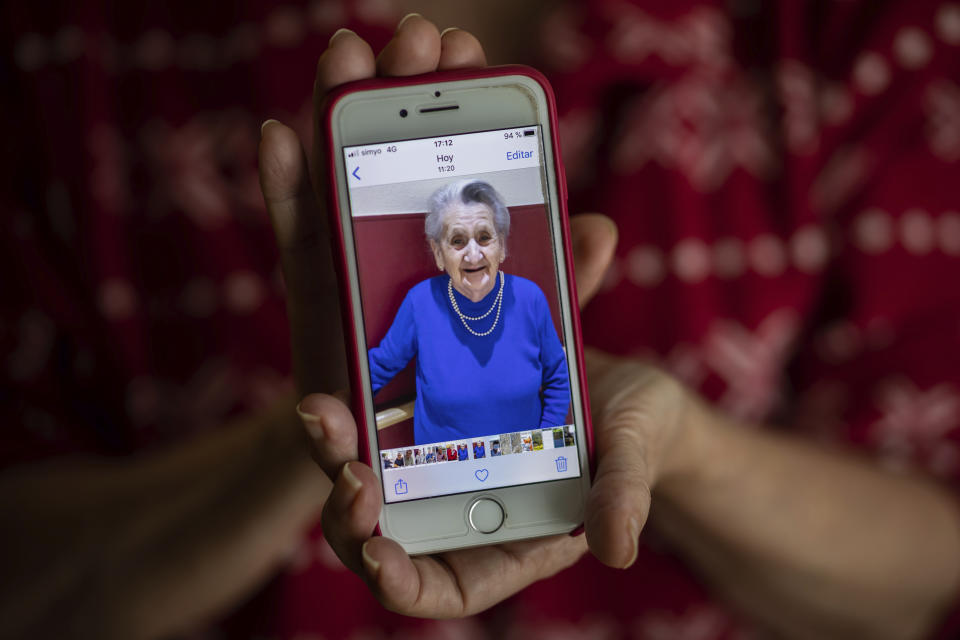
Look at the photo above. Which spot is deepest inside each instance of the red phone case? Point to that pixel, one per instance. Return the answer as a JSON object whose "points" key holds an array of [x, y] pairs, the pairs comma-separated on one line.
{"points": [[340, 264]]}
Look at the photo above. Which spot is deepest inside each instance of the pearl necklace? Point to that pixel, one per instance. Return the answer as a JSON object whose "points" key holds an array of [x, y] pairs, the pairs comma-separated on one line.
{"points": [[497, 304]]}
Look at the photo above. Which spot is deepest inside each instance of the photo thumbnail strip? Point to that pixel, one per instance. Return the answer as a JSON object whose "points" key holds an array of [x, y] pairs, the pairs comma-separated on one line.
{"points": [[514, 443]]}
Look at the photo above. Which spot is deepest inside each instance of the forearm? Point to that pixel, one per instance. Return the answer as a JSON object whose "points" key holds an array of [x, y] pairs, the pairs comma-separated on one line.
{"points": [[195, 569], [812, 543], [166, 540]]}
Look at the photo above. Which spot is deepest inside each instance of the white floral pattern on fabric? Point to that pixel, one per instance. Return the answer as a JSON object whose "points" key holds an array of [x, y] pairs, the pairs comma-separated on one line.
{"points": [[702, 128], [200, 171], [751, 363], [157, 49], [914, 426], [798, 96], [699, 37], [701, 623], [942, 107]]}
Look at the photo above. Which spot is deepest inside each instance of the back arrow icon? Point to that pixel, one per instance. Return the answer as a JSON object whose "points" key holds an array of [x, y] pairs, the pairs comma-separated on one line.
{"points": [[355, 173]]}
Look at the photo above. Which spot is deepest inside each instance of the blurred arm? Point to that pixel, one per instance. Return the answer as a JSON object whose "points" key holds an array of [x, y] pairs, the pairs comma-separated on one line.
{"points": [[812, 543], [150, 546]]}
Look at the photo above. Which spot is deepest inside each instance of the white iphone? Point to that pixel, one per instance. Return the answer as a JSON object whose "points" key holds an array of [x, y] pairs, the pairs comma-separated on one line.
{"points": [[448, 206]]}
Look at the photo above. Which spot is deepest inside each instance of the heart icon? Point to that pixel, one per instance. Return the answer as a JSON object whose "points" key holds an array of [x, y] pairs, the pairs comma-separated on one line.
{"points": [[481, 474]]}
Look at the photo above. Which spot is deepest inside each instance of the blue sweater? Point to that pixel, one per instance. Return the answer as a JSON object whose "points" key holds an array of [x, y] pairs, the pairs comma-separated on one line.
{"points": [[469, 386]]}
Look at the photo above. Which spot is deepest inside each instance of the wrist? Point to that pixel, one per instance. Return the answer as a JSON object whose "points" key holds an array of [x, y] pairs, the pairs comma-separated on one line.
{"points": [[685, 454]]}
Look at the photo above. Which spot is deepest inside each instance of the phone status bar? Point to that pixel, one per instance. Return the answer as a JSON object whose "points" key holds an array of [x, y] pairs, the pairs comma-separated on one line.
{"points": [[442, 156]]}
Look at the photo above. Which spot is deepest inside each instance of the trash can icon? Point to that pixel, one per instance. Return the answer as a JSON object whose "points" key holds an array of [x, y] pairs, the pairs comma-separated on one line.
{"points": [[561, 464]]}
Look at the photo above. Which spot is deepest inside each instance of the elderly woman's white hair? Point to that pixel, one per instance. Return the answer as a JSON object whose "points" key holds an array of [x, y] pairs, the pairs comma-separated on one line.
{"points": [[466, 192]]}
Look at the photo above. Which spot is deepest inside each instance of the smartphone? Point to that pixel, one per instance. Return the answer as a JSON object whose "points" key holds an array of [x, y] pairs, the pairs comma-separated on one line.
{"points": [[448, 210]]}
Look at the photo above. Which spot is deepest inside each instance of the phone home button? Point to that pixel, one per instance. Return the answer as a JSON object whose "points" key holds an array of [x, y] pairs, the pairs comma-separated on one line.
{"points": [[485, 515]]}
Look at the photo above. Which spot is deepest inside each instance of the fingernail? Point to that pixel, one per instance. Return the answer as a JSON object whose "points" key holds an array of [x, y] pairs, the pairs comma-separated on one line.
{"points": [[405, 18], [352, 480], [337, 33], [265, 123], [372, 565], [313, 424], [633, 530], [448, 30]]}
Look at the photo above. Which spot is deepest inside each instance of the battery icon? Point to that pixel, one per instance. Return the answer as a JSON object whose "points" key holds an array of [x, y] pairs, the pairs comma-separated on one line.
{"points": [[529, 132]]}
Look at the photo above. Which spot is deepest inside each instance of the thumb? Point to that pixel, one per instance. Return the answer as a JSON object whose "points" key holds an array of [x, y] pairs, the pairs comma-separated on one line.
{"points": [[594, 238], [619, 500]]}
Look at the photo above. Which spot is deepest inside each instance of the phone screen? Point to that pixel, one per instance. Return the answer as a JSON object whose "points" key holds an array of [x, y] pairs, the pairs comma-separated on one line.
{"points": [[466, 365]]}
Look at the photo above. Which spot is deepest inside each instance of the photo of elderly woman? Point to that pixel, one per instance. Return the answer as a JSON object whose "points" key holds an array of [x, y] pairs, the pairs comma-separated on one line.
{"points": [[488, 356]]}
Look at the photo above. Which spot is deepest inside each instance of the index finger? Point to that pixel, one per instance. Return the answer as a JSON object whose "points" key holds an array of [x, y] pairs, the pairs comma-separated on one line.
{"points": [[332, 431], [348, 57]]}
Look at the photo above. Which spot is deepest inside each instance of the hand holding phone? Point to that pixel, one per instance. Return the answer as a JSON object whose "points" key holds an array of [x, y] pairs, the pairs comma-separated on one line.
{"points": [[354, 504], [447, 211]]}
